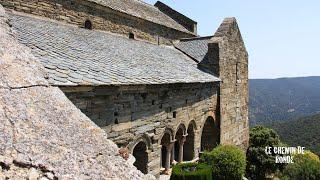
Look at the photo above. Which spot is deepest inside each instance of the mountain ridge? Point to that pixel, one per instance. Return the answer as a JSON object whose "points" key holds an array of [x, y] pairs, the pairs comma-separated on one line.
{"points": [[283, 99]]}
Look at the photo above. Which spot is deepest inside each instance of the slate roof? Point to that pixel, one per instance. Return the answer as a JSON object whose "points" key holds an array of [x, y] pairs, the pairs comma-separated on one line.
{"points": [[196, 48], [142, 10], [74, 56]]}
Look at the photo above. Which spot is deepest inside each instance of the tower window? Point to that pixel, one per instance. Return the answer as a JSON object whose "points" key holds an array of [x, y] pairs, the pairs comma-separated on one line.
{"points": [[131, 35], [88, 24], [238, 80]]}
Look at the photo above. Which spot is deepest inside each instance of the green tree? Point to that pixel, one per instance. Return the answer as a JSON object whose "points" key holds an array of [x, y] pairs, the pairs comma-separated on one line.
{"points": [[259, 164]]}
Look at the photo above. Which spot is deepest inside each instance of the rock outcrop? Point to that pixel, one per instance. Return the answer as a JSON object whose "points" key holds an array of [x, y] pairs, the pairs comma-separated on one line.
{"points": [[42, 134]]}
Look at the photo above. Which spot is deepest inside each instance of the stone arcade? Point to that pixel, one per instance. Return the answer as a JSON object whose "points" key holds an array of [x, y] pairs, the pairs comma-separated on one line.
{"points": [[142, 74]]}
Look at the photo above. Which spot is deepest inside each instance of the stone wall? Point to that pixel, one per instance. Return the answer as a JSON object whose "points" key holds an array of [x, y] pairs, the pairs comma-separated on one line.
{"points": [[102, 18], [130, 114], [229, 60]]}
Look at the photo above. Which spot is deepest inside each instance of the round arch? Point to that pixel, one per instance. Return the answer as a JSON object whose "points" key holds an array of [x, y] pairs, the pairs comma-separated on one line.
{"points": [[180, 127], [180, 135], [193, 124], [210, 134], [168, 131], [139, 149], [144, 138], [141, 155], [165, 141]]}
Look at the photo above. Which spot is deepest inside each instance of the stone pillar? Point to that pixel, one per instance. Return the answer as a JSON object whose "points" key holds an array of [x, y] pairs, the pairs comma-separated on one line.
{"points": [[181, 143], [197, 143], [168, 157], [172, 154]]}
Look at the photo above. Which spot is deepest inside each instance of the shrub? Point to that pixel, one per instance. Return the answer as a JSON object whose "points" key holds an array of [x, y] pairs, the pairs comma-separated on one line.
{"points": [[305, 166], [259, 164], [191, 171], [227, 162], [312, 156]]}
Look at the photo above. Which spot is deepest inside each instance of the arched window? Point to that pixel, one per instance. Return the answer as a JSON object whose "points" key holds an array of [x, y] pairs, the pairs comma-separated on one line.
{"points": [[88, 24]]}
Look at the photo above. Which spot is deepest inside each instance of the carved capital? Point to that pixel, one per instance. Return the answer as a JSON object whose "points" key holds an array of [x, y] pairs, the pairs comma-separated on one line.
{"points": [[183, 140], [170, 146]]}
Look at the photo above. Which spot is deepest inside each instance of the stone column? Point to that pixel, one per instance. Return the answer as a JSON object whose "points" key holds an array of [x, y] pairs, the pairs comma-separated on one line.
{"points": [[197, 143], [168, 157], [181, 143], [172, 154]]}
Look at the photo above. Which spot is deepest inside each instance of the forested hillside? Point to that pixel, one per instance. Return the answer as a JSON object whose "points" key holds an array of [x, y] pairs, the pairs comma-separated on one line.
{"points": [[283, 99], [301, 132]]}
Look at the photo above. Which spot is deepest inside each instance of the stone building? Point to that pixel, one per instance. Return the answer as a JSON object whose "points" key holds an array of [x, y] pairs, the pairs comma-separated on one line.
{"points": [[43, 135], [142, 74]]}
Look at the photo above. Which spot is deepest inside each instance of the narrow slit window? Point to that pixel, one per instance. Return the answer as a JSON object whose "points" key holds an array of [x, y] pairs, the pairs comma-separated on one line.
{"points": [[238, 80], [174, 114]]}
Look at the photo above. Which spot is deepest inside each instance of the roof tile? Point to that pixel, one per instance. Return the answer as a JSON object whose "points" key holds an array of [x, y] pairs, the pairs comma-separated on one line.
{"points": [[196, 48], [99, 58]]}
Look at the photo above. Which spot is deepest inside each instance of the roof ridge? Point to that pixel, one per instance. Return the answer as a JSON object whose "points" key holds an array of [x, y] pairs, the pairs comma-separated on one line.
{"points": [[196, 38], [181, 14], [169, 23], [145, 3]]}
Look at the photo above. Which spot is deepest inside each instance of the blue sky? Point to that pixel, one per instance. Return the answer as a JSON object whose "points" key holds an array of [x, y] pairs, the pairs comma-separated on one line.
{"points": [[281, 36]]}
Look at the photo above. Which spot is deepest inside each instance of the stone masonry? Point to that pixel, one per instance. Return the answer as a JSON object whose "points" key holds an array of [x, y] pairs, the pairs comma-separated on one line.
{"points": [[234, 97], [134, 113], [141, 73]]}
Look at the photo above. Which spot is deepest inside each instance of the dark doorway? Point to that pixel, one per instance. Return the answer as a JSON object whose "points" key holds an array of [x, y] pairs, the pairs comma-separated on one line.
{"points": [[141, 155], [210, 135]]}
